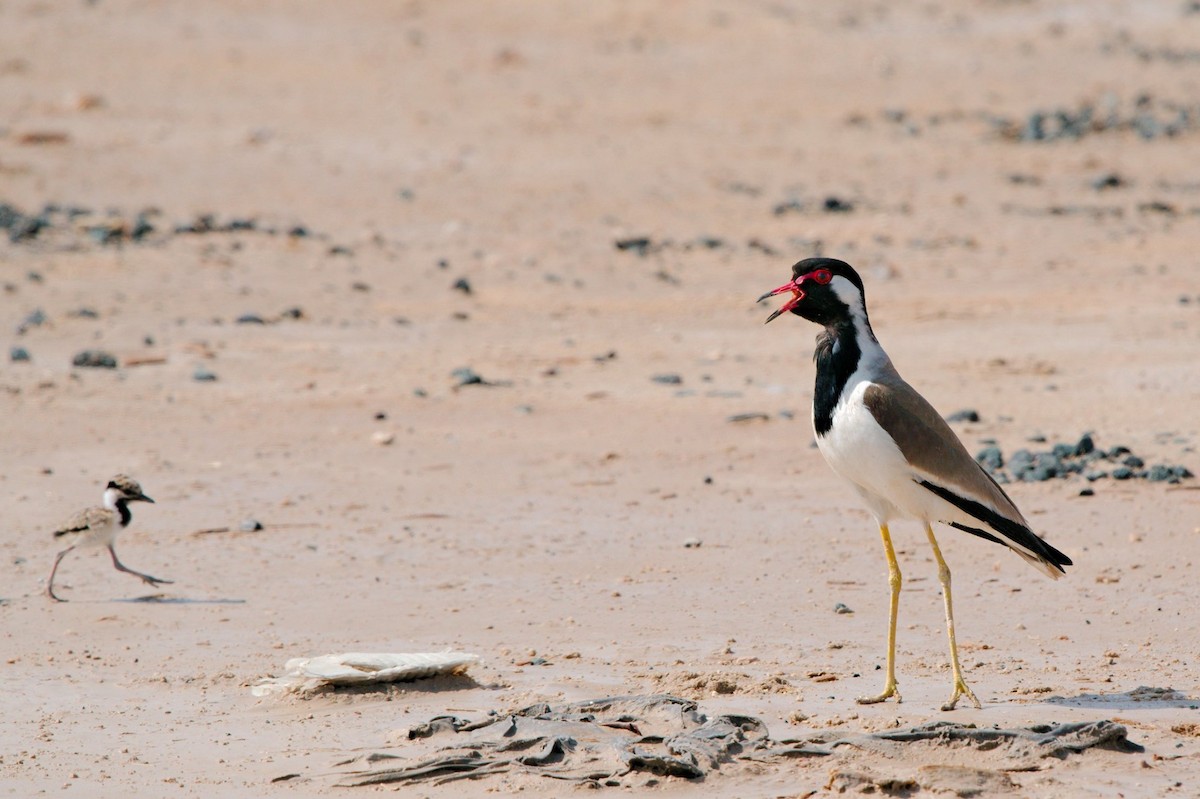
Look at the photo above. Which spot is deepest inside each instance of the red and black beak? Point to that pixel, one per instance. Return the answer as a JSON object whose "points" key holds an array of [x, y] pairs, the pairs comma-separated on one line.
{"points": [[797, 295]]}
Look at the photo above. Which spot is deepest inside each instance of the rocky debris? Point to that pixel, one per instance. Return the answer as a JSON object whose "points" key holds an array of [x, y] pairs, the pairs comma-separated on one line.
{"points": [[830, 204], [965, 415], [74, 226], [35, 318], [668, 379], [466, 376], [204, 375], [463, 285], [1081, 458], [841, 608], [249, 525], [19, 355], [1146, 116], [753, 416], [622, 741], [644, 245], [94, 359]]}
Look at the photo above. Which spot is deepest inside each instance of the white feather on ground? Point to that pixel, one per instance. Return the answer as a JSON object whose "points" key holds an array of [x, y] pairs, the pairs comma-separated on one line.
{"points": [[304, 675]]}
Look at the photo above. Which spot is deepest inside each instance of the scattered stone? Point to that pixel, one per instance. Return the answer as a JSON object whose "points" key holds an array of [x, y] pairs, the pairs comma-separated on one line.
{"points": [[965, 415], [19, 355], [836, 205], [94, 359], [35, 318], [841, 608], [250, 525], [669, 379], [756, 416], [383, 438], [292, 313], [1110, 181], [463, 285], [203, 375], [1082, 458], [1087, 492], [250, 319], [84, 313], [1146, 116], [692, 543], [637, 244], [990, 458], [466, 376]]}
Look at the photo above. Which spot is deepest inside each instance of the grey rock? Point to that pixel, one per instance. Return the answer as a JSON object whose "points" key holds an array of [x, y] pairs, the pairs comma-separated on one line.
{"points": [[668, 379], [94, 359], [19, 355], [204, 375]]}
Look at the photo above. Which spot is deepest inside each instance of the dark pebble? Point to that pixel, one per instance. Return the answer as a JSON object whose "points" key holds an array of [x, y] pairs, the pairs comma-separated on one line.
{"points": [[1117, 452], [1122, 473], [1038, 439], [250, 319], [292, 313], [84, 313], [298, 232], [1085, 445], [1063, 451], [250, 525], [1087, 492], [668, 379], [990, 458], [708, 481], [359, 285], [836, 205], [466, 376], [37, 318], [1110, 181], [1159, 473], [787, 206], [1094, 476], [749, 417], [463, 285], [141, 228], [203, 375], [965, 415], [339, 249], [18, 355], [1134, 462], [420, 392], [841, 608], [94, 359], [638, 244], [380, 416]]}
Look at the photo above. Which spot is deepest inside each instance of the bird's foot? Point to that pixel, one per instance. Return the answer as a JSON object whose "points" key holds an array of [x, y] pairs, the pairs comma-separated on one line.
{"points": [[148, 580], [961, 690], [50, 593], [891, 689]]}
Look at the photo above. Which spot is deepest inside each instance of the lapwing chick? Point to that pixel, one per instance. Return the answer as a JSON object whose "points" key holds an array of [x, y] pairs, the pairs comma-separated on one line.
{"points": [[883, 437], [98, 527]]}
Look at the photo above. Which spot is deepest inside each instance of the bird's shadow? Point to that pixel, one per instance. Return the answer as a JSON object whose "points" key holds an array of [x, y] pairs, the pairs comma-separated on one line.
{"points": [[160, 599], [1140, 698]]}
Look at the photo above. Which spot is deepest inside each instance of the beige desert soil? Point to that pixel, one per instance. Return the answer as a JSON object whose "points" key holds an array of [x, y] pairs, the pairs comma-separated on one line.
{"points": [[546, 516]]}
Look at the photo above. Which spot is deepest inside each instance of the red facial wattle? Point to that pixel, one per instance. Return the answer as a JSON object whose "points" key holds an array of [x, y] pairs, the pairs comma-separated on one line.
{"points": [[820, 276]]}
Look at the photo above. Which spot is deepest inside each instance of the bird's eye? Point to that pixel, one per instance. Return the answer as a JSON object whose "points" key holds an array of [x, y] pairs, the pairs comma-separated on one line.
{"points": [[822, 276]]}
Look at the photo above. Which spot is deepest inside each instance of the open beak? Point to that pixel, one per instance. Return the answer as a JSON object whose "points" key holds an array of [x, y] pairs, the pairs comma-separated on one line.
{"points": [[797, 296]]}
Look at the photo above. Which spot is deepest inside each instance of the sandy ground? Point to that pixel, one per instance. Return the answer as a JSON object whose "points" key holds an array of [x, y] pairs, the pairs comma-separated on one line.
{"points": [[513, 145]]}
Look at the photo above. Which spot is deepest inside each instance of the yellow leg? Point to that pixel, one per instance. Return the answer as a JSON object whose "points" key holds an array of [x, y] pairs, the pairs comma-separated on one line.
{"points": [[890, 687], [960, 686]]}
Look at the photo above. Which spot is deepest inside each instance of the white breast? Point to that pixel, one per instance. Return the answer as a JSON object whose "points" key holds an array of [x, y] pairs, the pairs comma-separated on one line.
{"points": [[862, 452]]}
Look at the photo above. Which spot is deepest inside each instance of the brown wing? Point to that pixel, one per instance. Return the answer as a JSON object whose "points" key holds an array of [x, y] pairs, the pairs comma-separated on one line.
{"points": [[84, 520]]}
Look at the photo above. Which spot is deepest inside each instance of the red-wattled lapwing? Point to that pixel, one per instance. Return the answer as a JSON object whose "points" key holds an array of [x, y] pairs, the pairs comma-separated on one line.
{"points": [[98, 527], [899, 454]]}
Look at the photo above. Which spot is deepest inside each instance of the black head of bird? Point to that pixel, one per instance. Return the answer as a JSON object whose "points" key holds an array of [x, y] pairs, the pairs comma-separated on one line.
{"points": [[824, 290]]}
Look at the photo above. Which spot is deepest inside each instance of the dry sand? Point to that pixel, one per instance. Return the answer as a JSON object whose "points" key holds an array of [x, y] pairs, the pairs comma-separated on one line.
{"points": [[512, 145]]}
